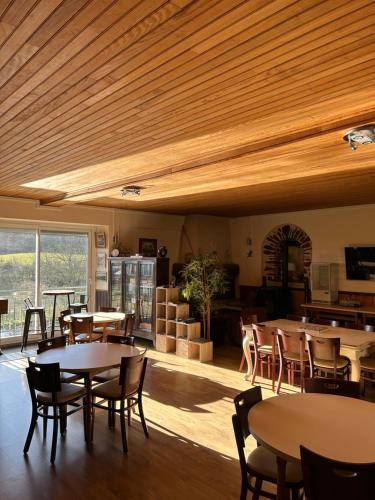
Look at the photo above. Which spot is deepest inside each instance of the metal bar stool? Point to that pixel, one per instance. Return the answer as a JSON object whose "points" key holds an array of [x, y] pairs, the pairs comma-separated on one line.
{"points": [[31, 311]]}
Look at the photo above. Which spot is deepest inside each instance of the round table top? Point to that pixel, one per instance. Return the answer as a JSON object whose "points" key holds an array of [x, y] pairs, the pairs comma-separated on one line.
{"points": [[336, 427], [58, 292], [98, 317], [87, 357]]}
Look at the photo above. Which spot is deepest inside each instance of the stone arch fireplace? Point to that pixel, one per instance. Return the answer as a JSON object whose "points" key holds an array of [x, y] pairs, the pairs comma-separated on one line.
{"points": [[287, 252]]}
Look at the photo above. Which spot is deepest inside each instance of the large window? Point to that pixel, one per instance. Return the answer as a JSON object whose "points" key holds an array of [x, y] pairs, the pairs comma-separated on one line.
{"points": [[35, 260]]}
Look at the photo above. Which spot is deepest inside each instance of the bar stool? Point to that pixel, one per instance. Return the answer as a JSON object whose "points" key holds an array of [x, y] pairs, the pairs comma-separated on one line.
{"points": [[31, 311]]}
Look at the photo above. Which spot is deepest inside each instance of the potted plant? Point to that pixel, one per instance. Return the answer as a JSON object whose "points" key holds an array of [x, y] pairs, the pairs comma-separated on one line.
{"points": [[204, 278]]}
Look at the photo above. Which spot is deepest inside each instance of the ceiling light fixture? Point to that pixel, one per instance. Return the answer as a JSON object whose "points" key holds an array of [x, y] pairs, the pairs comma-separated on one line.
{"points": [[131, 191], [360, 135]]}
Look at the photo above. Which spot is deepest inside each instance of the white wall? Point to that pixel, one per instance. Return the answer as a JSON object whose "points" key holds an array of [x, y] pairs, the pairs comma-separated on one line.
{"points": [[330, 231]]}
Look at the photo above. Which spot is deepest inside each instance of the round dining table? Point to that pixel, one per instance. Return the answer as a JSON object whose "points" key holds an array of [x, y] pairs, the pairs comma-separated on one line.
{"points": [[55, 294], [88, 360], [100, 319], [336, 427]]}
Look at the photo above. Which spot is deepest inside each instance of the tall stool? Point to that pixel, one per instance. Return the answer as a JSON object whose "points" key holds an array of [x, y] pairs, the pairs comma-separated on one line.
{"points": [[31, 311]]}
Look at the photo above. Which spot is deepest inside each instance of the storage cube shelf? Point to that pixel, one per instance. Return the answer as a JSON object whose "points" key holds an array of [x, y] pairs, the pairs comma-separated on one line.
{"points": [[173, 334]]}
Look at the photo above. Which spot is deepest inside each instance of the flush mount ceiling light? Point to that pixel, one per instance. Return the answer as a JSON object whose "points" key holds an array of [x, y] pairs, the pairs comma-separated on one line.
{"points": [[131, 191], [360, 135]]}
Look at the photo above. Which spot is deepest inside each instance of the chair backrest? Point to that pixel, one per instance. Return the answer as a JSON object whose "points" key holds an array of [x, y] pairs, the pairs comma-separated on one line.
{"points": [[335, 323], [326, 348], [46, 345], [129, 324], [369, 328], [28, 303], [305, 319], [107, 309], [326, 479], [291, 341], [82, 324], [132, 373], [295, 317], [338, 387], [247, 319], [243, 403], [264, 335], [121, 339], [43, 378], [63, 324]]}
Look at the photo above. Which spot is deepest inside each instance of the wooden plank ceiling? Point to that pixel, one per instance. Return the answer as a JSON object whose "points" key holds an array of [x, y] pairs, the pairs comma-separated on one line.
{"points": [[226, 107]]}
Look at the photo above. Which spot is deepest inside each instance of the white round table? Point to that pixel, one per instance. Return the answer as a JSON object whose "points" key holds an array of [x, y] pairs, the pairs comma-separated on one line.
{"points": [[336, 427], [88, 359]]}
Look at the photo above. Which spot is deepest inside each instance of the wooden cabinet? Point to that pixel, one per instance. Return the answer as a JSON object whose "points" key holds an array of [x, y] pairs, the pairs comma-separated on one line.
{"points": [[132, 285]]}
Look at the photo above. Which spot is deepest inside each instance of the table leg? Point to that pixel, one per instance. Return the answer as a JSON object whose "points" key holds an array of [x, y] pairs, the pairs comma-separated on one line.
{"points": [[89, 410], [53, 317], [282, 490], [246, 350]]}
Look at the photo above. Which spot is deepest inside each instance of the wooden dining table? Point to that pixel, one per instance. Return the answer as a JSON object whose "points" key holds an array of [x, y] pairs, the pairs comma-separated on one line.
{"points": [[88, 360], [100, 319], [354, 344], [336, 427]]}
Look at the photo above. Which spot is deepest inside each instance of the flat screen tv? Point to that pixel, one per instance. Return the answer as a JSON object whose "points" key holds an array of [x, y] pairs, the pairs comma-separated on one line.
{"points": [[360, 263]]}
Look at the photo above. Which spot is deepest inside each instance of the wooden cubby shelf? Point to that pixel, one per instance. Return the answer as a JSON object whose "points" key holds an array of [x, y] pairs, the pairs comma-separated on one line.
{"points": [[173, 334]]}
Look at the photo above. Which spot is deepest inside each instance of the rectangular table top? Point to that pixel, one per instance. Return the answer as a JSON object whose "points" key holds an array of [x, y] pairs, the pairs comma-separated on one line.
{"points": [[339, 307], [348, 337]]}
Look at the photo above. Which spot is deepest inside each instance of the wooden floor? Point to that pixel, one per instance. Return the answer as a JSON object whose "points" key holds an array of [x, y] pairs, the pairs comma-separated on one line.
{"points": [[190, 454]]}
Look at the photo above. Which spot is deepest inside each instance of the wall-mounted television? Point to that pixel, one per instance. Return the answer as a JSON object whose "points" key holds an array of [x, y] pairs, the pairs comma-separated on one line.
{"points": [[360, 263]]}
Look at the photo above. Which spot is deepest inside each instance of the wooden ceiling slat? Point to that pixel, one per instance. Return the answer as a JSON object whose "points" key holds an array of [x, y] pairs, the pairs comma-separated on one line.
{"points": [[214, 106], [358, 42], [75, 114]]}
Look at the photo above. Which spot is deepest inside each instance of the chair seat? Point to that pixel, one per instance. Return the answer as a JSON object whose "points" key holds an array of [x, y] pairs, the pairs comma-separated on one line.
{"points": [[263, 461], [67, 377], [112, 390], [295, 356], [68, 393], [85, 337], [107, 375], [342, 362], [367, 363]]}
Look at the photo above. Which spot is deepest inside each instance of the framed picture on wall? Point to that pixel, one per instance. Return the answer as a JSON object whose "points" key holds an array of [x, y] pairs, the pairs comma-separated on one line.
{"points": [[101, 276], [101, 260], [100, 240], [148, 247]]}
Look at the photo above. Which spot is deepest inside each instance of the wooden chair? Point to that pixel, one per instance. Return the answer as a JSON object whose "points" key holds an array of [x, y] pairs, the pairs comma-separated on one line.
{"points": [[82, 330], [265, 352], [247, 320], [65, 326], [54, 343], [292, 353], [260, 465], [326, 479], [336, 386], [113, 372], [128, 326], [111, 326], [127, 390], [46, 392], [324, 356], [367, 370]]}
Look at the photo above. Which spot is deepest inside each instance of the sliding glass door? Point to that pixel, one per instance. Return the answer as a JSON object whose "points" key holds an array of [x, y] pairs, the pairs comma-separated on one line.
{"points": [[17, 275], [63, 265], [34, 260]]}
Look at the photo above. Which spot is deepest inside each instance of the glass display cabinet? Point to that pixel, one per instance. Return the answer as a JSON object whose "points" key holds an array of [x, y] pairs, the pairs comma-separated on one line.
{"points": [[132, 283]]}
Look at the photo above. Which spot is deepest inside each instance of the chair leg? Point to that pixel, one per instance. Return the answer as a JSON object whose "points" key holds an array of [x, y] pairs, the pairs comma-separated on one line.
{"points": [[45, 421], [123, 427], [242, 362], [243, 494], [281, 369], [295, 494], [63, 419], [109, 413], [258, 487], [54, 434], [129, 413], [255, 369], [26, 329], [34, 418], [142, 417]]}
